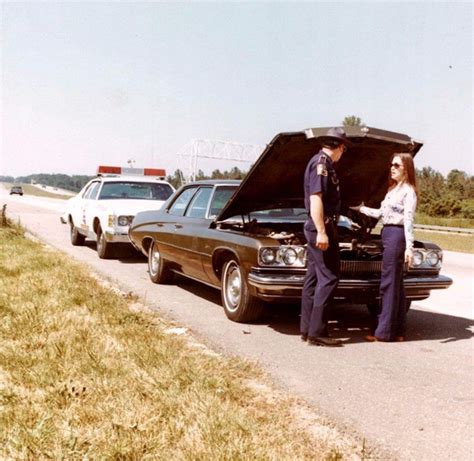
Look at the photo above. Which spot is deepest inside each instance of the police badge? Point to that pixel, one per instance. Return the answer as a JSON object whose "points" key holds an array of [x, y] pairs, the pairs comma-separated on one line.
{"points": [[321, 169]]}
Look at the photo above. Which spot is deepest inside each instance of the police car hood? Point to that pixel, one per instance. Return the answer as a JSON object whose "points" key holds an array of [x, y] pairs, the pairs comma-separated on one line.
{"points": [[276, 178], [128, 207]]}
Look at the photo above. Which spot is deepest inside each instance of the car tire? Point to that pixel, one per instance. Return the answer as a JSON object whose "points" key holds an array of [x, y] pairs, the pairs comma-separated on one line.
{"points": [[105, 250], [239, 304], [407, 305], [158, 269], [77, 239], [373, 307]]}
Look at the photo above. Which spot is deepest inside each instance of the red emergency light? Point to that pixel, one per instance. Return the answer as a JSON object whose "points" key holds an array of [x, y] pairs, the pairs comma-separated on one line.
{"points": [[109, 169], [161, 172]]}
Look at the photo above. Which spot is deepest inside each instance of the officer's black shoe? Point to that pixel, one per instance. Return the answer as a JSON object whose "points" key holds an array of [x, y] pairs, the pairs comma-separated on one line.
{"points": [[322, 341], [304, 337]]}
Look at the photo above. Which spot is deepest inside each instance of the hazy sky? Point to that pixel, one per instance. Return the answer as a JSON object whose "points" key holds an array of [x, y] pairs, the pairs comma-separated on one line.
{"points": [[89, 83]]}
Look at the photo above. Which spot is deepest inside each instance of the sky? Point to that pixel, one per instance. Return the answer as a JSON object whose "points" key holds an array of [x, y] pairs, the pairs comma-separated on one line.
{"points": [[100, 83]]}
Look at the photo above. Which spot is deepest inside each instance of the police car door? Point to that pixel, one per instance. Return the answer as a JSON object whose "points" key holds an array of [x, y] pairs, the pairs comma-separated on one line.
{"points": [[89, 208]]}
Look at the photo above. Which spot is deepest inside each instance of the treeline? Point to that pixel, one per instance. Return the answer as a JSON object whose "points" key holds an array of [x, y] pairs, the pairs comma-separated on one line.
{"points": [[62, 181], [450, 196]]}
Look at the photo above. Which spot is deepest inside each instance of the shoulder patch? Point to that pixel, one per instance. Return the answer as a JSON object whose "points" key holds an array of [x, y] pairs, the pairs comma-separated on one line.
{"points": [[321, 169]]}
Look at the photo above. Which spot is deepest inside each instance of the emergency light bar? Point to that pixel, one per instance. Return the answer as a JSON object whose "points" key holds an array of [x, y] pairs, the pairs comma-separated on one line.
{"points": [[132, 171]]}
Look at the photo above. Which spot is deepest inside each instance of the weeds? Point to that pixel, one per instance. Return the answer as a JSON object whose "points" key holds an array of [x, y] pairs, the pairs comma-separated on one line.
{"points": [[82, 376]]}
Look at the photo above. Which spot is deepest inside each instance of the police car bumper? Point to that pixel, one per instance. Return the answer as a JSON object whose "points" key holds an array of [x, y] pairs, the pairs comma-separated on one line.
{"points": [[116, 236], [271, 286]]}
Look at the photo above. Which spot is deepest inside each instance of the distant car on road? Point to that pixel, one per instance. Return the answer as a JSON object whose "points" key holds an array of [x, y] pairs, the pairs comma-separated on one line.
{"points": [[105, 207], [247, 238], [16, 190]]}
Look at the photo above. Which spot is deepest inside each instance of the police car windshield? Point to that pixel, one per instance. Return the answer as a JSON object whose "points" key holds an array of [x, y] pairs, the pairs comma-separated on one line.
{"points": [[135, 191]]}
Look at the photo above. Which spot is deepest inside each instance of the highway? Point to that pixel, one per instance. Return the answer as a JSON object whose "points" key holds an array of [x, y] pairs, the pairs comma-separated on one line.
{"points": [[411, 400]]}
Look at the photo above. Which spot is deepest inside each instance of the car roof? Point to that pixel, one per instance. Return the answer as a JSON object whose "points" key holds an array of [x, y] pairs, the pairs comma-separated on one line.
{"points": [[213, 182], [132, 178]]}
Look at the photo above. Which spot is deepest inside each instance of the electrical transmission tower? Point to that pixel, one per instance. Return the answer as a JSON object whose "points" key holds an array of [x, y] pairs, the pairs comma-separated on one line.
{"points": [[196, 149]]}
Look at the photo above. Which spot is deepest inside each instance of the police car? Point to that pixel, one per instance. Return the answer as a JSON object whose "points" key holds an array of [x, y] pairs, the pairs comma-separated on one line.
{"points": [[105, 207]]}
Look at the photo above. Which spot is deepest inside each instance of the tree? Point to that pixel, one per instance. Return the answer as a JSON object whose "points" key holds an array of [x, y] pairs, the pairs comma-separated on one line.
{"points": [[175, 179], [352, 120]]}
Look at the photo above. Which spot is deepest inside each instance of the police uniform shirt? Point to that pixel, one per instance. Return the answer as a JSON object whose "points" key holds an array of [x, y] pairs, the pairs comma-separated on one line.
{"points": [[320, 177], [398, 207]]}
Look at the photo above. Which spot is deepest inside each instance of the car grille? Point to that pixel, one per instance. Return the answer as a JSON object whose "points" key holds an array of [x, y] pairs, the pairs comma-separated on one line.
{"points": [[358, 268]]}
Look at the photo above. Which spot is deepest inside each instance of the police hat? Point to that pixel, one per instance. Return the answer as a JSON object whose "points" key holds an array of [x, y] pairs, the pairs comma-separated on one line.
{"points": [[334, 137]]}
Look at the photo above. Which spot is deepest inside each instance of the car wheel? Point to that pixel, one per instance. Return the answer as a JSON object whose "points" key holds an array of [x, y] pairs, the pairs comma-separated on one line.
{"points": [[157, 267], [105, 250], [407, 305], [373, 308], [77, 239], [239, 304]]}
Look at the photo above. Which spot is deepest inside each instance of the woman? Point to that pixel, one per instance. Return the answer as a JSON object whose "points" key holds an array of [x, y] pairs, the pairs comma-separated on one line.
{"points": [[397, 211]]}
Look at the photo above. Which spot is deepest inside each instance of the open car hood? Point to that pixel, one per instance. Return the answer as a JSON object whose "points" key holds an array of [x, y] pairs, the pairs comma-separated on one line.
{"points": [[276, 178]]}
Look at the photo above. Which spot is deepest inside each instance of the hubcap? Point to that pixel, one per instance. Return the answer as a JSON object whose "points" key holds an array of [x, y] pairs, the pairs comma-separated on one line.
{"points": [[233, 287], [101, 241], [154, 260]]}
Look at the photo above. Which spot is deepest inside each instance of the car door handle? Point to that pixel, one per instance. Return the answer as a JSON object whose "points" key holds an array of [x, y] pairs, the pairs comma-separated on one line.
{"points": [[159, 224], [178, 226]]}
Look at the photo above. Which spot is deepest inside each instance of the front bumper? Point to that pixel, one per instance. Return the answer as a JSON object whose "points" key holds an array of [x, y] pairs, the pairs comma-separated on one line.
{"points": [[273, 287], [117, 236]]}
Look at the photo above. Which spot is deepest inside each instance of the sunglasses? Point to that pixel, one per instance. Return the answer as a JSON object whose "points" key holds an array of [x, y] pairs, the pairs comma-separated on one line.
{"points": [[396, 165]]}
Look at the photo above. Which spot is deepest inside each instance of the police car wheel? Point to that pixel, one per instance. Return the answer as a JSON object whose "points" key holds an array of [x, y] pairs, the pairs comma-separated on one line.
{"points": [[105, 250], [157, 267], [239, 304], [77, 239]]}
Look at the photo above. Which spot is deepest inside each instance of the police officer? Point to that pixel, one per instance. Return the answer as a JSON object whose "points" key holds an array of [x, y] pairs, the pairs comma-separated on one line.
{"points": [[322, 201]]}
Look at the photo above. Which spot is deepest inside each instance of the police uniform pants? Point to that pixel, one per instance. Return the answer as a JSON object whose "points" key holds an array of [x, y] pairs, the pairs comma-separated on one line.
{"points": [[392, 316], [320, 282]]}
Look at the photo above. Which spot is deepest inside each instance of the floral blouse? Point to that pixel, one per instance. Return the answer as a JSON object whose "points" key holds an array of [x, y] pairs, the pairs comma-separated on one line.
{"points": [[398, 207]]}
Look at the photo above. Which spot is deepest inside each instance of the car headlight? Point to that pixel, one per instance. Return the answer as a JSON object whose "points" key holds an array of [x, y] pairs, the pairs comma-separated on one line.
{"points": [[124, 220], [417, 258], [289, 256], [285, 255], [432, 258], [268, 255]]}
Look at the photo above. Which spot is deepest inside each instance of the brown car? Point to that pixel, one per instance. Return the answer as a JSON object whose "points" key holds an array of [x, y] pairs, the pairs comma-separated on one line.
{"points": [[246, 238]]}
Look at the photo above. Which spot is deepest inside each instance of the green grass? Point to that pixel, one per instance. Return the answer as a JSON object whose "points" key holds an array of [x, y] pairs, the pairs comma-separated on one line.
{"points": [[89, 373], [448, 222], [29, 189], [448, 241]]}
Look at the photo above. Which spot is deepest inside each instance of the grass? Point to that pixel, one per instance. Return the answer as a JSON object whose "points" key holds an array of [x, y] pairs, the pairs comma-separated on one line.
{"points": [[448, 222], [87, 372], [29, 189], [448, 241]]}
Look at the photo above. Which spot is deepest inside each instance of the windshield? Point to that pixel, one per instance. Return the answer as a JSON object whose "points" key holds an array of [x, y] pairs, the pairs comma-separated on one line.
{"points": [[275, 215], [135, 191]]}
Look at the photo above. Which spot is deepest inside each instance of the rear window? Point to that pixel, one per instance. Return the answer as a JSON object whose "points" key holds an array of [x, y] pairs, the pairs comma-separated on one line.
{"points": [[135, 191]]}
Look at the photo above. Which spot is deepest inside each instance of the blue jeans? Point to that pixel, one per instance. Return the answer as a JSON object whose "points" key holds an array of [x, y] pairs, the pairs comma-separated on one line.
{"points": [[392, 316]]}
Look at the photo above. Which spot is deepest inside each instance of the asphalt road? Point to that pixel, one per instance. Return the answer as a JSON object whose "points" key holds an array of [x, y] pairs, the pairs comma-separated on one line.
{"points": [[415, 399]]}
